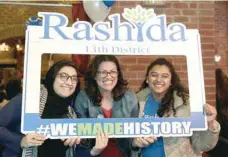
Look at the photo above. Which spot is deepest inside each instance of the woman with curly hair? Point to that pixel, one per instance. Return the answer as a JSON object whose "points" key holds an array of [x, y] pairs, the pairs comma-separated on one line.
{"points": [[163, 95], [106, 96]]}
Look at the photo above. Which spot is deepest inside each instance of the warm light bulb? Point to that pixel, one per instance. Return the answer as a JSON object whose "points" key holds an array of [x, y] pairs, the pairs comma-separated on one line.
{"points": [[4, 47], [19, 47], [217, 58]]}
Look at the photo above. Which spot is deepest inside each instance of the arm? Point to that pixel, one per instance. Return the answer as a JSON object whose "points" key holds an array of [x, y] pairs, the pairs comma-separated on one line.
{"points": [[80, 110], [135, 106], [100, 145], [204, 141], [10, 115], [134, 114], [79, 105], [135, 111]]}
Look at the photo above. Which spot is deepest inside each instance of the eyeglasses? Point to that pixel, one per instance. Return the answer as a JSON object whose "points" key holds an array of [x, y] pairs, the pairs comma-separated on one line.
{"points": [[64, 77], [105, 73]]}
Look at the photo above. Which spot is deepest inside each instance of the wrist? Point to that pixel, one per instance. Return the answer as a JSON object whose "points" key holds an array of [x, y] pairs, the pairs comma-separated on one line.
{"points": [[134, 147], [133, 144], [94, 151], [210, 125], [214, 126]]}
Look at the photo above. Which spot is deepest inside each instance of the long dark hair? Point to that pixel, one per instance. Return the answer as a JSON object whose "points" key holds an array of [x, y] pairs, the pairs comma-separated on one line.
{"points": [[221, 95], [91, 85], [167, 101], [53, 71]]}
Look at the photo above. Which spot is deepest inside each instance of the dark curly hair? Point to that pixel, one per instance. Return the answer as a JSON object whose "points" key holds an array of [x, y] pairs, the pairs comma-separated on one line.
{"points": [[167, 101], [91, 85], [221, 95]]}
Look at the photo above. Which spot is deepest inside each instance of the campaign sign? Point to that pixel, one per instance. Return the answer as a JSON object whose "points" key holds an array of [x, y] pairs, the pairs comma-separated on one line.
{"points": [[142, 33]]}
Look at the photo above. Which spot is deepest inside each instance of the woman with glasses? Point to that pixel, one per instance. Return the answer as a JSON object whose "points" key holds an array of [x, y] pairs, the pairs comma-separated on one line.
{"points": [[61, 87], [106, 96], [163, 95]]}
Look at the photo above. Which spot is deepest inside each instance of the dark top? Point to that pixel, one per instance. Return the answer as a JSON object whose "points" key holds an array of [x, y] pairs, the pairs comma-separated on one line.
{"points": [[55, 107], [10, 127]]}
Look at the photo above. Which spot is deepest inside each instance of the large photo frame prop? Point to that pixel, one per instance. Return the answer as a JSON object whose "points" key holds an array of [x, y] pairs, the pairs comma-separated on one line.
{"points": [[141, 34]]}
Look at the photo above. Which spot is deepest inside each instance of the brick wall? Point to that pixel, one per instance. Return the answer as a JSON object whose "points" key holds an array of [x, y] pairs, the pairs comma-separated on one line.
{"points": [[195, 15]]}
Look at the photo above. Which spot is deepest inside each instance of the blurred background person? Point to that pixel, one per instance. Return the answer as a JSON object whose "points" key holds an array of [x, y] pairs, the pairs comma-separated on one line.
{"points": [[13, 87], [3, 98], [221, 149], [11, 137]]}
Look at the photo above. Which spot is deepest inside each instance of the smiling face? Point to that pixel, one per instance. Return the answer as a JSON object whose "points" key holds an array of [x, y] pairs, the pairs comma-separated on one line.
{"points": [[107, 76], [159, 80], [65, 81]]}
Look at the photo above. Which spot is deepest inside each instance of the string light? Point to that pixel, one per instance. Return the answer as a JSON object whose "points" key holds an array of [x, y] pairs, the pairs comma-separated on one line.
{"points": [[217, 58], [4, 47], [19, 47]]}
